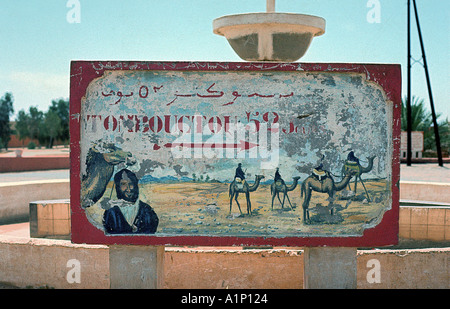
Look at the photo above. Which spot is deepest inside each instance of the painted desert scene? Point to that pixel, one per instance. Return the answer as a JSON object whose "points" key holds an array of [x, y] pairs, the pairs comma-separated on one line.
{"points": [[238, 154], [194, 208], [202, 207]]}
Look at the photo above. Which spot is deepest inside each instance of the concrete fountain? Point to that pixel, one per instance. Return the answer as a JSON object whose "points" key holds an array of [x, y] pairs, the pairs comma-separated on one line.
{"points": [[269, 36]]}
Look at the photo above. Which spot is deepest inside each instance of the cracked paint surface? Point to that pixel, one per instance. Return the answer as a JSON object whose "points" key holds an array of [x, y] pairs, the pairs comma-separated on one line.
{"points": [[187, 132]]}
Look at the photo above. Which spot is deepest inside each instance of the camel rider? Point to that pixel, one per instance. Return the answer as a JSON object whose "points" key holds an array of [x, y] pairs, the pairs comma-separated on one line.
{"points": [[352, 163], [352, 159], [319, 173], [240, 174], [278, 176]]}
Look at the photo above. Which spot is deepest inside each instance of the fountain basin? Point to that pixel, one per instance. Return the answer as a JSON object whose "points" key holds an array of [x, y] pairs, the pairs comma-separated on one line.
{"points": [[281, 37]]}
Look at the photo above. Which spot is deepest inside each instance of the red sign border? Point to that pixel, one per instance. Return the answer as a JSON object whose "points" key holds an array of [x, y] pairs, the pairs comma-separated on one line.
{"points": [[388, 76]]}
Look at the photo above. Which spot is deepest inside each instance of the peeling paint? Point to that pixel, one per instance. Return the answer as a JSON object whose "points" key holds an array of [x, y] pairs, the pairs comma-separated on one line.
{"points": [[188, 130]]}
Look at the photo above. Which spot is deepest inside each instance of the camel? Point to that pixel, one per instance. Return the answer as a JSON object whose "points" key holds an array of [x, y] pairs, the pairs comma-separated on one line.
{"points": [[99, 170], [327, 185], [280, 186], [355, 166], [236, 188]]}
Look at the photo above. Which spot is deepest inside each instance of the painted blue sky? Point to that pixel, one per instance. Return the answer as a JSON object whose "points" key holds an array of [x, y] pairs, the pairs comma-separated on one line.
{"points": [[38, 42]]}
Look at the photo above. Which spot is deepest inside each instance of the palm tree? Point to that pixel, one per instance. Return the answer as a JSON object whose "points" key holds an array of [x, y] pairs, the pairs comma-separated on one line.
{"points": [[421, 119]]}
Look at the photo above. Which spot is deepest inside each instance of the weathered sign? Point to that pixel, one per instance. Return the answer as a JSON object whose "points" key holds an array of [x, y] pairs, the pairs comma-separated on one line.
{"points": [[416, 144], [235, 153]]}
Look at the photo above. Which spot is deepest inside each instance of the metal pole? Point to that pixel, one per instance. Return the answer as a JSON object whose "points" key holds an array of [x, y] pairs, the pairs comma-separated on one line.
{"points": [[436, 129], [408, 94]]}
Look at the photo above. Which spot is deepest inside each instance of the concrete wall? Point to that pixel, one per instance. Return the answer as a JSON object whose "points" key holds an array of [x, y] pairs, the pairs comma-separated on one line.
{"points": [[15, 197], [44, 262], [47, 262], [11, 164], [217, 268], [424, 223], [50, 219], [405, 269]]}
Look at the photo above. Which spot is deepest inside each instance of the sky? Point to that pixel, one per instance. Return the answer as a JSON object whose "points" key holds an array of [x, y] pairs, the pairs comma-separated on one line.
{"points": [[39, 39]]}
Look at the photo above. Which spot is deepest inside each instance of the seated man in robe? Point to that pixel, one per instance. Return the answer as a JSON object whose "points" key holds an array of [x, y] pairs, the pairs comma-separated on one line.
{"points": [[351, 164], [128, 214], [239, 173], [352, 159], [278, 178]]}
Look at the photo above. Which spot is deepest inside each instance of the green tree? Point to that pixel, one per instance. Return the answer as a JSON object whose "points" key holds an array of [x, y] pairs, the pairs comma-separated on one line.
{"points": [[22, 129], [6, 110], [421, 118], [29, 124], [50, 128], [61, 108], [45, 127], [36, 117]]}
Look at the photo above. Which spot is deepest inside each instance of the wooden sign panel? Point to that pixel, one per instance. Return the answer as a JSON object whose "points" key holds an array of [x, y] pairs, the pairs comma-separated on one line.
{"points": [[282, 154]]}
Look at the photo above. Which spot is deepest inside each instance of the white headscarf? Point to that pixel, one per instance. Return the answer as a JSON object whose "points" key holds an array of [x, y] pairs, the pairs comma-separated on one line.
{"points": [[128, 209]]}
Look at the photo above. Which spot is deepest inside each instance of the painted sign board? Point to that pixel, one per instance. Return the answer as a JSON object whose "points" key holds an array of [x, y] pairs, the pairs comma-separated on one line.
{"points": [[220, 154]]}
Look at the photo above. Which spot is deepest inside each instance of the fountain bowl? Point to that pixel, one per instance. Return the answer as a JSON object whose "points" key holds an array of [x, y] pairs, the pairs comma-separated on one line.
{"points": [[278, 37]]}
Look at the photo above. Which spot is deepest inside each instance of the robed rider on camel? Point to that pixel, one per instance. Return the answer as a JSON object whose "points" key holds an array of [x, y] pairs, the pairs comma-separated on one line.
{"points": [[240, 173]]}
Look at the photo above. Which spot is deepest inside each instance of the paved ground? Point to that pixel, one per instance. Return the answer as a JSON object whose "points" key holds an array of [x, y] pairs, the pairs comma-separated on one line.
{"points": [[430, 172], [36, 175]]}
